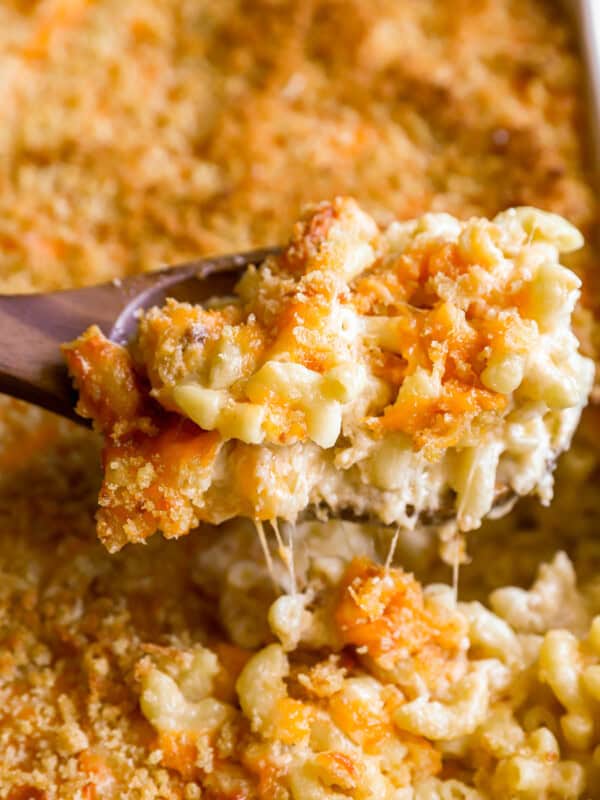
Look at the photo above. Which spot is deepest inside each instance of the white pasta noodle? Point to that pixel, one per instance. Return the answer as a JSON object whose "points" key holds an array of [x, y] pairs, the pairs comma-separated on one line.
{"points": [[560, 668], [491, 635], [213, 409], [553, 601], [434, 789], [542, 226], [460, 717], [167, 707], [261, 685], [504, 372], [474, 481]]}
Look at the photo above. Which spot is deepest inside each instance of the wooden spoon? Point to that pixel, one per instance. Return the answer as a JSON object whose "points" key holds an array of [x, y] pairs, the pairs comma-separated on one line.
{"points": [[33, 326]]}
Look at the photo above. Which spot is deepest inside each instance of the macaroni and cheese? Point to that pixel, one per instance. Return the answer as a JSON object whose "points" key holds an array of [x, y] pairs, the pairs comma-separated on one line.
{"points": [[427, 367], [418, 697], [139, 134]]}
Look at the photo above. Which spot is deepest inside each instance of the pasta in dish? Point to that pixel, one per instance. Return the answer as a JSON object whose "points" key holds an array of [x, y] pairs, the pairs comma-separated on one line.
{"points": [[425, 369], [419, 697], [141, 133]]}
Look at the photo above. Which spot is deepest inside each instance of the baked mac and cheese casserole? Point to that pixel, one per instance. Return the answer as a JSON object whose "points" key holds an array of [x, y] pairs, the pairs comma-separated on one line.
{"points": [[327, 658]]}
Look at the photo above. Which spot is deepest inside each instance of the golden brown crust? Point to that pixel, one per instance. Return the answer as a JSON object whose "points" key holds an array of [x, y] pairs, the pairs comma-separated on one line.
{"points": [[111, 392], [382, 611], [147, 481]]}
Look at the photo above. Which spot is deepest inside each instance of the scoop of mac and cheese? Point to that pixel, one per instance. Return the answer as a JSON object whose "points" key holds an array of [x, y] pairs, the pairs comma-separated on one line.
{"points": [[395, 372]]}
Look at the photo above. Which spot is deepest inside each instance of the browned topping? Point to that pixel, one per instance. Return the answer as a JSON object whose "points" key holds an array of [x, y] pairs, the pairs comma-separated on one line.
{"points": [[382, 610]]}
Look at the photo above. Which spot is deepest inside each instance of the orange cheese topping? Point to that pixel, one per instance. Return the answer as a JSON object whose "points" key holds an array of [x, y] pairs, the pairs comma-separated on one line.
{"points": [[383, 611], [179, 753]]}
